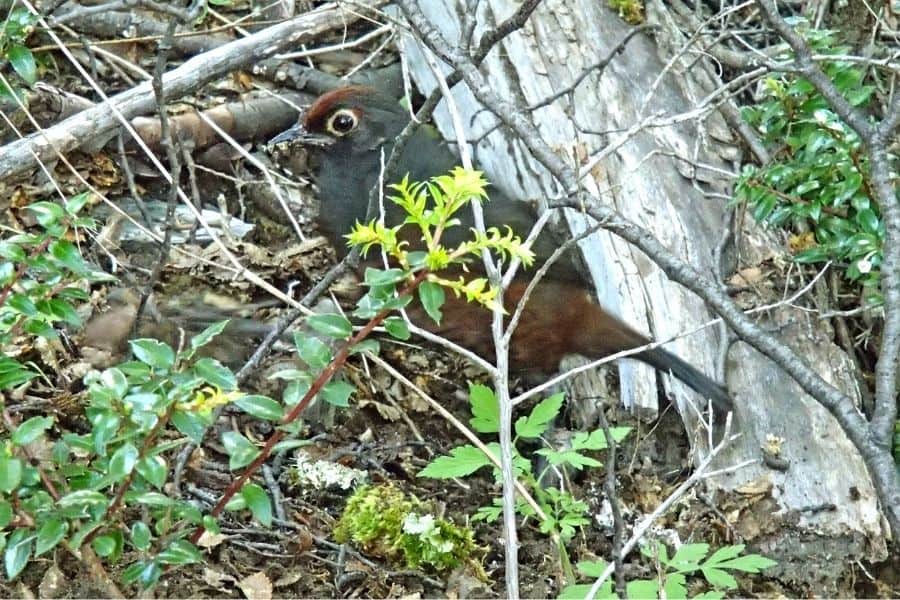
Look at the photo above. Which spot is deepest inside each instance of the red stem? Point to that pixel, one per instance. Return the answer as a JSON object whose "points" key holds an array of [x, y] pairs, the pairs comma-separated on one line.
{"points": [[323, 378]]}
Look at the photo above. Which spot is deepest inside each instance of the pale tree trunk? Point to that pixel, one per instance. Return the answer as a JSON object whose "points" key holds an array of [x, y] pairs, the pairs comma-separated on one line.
{"points": [[670, 175]]}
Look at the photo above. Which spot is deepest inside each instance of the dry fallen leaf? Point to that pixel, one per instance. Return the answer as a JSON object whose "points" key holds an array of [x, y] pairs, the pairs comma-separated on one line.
{"points": [[217, 579], [256, 586], [210, 540]]}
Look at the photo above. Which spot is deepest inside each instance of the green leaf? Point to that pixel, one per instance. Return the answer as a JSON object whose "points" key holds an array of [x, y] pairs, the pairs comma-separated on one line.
{"points": [[154, 499], [724, 553], [719, 578], [397, 328], [153, 469], [77, 538], [68, 255], [674, 587], [115, 381], [104, 545], [31, 430], [105, 425], [368, 345], [570, 457], [535, 424], [215, 373], [581, 591], [463, 460], [261, 407], [596, 440], [240, 451], [10, 473], [190, 424], [642, 588], [154, 353], [258, 502], [710, 595], [6, 513], [868, 221], [22, 303], [592, 568], [74, 204], [485, 409], [432, 296], [13, 373], [50, 534], [82, 499], [64, 311], [22, 61], [47, 213], [689, 555], [313, 351], [144, 572], [180, 552], [12, 252], [122, 462], [18, 551], [207, 335], [337, 393], [382, 277], [333, 325], [140, 535], [751, 563]]}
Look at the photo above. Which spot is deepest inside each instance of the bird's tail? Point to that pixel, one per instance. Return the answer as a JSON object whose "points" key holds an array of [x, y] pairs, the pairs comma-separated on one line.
{"points": [[669, 363]]}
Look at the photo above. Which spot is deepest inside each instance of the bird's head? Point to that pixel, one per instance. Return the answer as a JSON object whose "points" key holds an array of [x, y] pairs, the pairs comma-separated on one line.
{"points": [[351, 120]]}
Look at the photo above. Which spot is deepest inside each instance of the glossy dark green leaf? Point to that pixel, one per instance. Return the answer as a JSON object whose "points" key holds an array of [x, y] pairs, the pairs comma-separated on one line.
{"points": [[144, 572], [258, 502], [261, 407], [67, 253], [333, 325], [215, 373], [190, 424], [337, 393], [313, 351], [104, 545], [47, 213], [17, 552], [140, 535], [31, 430], [50, 534], [154, 499], [240, 451], [179, 552], [208, 334], [384, 277], [6, 513], [22, 303], [22, 61], [83, 499], [432, 297], [154, 469], [10, 473], [397, 328], [153, 352], [367, 345], [122, 462]]}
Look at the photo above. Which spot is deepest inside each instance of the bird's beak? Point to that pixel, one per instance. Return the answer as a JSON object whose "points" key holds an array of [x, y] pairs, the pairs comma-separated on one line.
{"points": [[300, 136]]}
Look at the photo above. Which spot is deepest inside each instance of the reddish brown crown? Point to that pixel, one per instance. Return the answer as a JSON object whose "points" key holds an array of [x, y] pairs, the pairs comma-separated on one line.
{"points": [[326, 103]]}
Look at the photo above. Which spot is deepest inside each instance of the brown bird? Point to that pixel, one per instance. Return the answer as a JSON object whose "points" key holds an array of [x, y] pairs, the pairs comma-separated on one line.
{"points": [[346, 131]]}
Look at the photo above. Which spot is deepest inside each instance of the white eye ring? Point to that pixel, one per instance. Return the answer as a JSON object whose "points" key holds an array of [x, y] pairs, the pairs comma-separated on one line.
{"points": [[342, 122]]}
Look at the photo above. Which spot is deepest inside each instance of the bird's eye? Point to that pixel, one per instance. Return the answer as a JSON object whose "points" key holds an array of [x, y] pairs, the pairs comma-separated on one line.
{"points": [[342, 122]]}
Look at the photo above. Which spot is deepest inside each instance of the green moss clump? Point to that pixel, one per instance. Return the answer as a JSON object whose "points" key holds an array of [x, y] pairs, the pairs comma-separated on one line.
{"points": [[384, 522], [631, 11]]}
